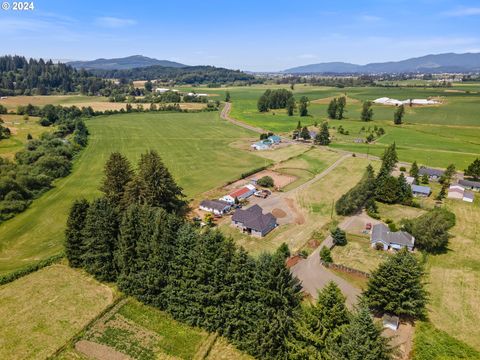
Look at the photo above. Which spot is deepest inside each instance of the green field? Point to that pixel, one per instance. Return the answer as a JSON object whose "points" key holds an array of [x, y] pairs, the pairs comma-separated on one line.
{"points": [[40, 312], [195, 147], [455, 122]]}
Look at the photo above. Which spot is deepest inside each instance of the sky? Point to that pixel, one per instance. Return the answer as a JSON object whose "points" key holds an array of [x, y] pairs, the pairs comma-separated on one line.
{"points": [[261, 35]]}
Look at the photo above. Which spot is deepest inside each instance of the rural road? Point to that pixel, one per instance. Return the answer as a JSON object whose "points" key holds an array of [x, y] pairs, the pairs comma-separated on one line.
{"points": [[225, 114], [314, 276]]}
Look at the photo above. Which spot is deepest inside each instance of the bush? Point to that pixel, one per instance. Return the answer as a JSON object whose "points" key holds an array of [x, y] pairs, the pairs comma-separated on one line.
{"points": [[403, 168], [339, 237], [266, 181], [326, 255]]}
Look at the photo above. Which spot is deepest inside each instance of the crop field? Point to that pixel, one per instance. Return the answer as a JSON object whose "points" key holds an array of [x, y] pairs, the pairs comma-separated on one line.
{"points": [[19, 129], [42, 311], [12, 102], [195, 147], [145, 333]]}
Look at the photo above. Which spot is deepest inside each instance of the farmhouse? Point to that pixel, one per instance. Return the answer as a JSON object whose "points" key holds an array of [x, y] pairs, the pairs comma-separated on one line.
{"points": [[262, 144], [253, 222], [433, 174], [240, 194], [275, 139], [418, 190], [383, 237], [217, 207], [469, 184]]}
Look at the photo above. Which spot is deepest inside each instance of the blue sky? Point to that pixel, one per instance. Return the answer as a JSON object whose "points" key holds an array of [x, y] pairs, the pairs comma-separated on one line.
{"points": [[260, 35]]}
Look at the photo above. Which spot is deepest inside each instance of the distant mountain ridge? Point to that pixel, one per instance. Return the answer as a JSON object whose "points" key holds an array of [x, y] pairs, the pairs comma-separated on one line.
{"points": [[125, 63], [449, 62]]}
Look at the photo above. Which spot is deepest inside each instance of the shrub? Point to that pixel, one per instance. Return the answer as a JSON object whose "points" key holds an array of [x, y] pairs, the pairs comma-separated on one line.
{"points": [[339, 237], [266, 181], [326, 255]]}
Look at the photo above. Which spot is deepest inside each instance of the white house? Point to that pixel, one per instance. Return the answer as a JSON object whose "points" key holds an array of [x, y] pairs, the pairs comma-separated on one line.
{"points": [[161, 90], [240, 194], [216, 207], [455, 192]]}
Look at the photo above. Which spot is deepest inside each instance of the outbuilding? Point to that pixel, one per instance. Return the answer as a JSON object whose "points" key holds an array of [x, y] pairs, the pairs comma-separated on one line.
{"points": [[240, 194], [418, 190], [216, 207], [468, 196], [391, 322]]}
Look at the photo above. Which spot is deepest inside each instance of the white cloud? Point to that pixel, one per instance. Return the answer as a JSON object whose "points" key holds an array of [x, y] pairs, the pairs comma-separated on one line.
{"points": [[113, 22], [463, 11]]}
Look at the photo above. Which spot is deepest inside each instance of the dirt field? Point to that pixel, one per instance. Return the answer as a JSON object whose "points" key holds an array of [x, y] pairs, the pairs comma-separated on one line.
{"points": [[43, 310], [280, 180]]}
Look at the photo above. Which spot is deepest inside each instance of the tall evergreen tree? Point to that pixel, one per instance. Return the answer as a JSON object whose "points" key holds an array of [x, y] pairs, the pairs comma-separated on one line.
{"points": [[356, 198], [404, 194], [398, 115], [118, 173], [74, 239], [323, 137], [414, 171], [100, 232], [339, 237], [157, 186], [360, 340], [367, 111], [397, 287], [227, 96], [332, 109], [303, 106], [291, 106], [318, 322], [389, 160], [305, 134], [473, 170], [341, 103]]}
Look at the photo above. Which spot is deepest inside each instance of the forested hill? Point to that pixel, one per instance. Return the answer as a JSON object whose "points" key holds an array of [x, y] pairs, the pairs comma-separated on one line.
{"points": [[19, 76], [129, 62], [184, 75]]}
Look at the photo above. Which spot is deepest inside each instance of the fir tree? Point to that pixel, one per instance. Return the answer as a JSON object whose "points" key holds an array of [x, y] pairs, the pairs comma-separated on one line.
{"points": [[389, 160], [326, 255], [341, 103], [118, 173], [74, 239], [360, 340], [291, 106], [304, 134], [227, 96], [323, 137], [397, 287], [398, 115], [339, 237], [357, 197], [404, 191], [303, 106], [473, 170], [332, 109], [100, 232], [414, 171], [367, 111]]}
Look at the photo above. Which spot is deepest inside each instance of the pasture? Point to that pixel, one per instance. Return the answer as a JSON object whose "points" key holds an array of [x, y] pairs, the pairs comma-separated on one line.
{"points": [[195, 147], [42, 311]]}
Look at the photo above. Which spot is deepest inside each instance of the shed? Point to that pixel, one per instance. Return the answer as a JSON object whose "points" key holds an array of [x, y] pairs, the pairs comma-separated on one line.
{"points": [[468, 196], [217, 207], [391, 322]]}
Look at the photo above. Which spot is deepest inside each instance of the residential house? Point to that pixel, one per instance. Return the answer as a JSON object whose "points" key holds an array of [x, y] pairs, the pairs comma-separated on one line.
{"points": [[262, 144], [382, 236], [240, 194], [455, 192], [433, 174], [253, 221], [468, 196], [470, 185], [216, 207], [418, 190]]}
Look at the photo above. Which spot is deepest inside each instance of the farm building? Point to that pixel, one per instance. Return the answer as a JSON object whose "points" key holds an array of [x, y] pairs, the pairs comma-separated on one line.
{"points": [[390, 322], [240, 194], [275, 139], [468, 196], [469, 184], [410, 180], [433, 174], [418, 190], [217, 207], [253, 221], [262, 144], [455, 192], [383, 237], [389, 101]]}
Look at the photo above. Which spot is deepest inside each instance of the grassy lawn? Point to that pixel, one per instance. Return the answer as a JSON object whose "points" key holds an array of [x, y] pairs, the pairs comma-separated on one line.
{"points": [[19, 130], [222, 350], [454, 277], [433, 344], [398, 212], [43, 310], [358, 254], [195, 147]]}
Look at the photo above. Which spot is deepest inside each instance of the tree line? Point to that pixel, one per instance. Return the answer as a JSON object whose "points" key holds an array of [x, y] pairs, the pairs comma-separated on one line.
{"points": [[136, 235], [43, 160]]}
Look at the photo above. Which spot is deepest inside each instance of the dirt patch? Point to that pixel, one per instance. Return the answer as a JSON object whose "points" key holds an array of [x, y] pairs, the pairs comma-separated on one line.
{"points": [[279, 213], [328, 99], [402, 339], [299, 218], [99, 351], [313, 243], [280, 180]]}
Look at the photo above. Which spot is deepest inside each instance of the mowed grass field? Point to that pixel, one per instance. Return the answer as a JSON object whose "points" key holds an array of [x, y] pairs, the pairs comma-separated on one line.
{"points": [[195, 147], [432, 135], [42, 311]]}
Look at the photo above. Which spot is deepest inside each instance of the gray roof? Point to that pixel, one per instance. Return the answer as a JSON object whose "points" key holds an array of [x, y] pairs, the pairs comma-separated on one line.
{"points": [[253, 218], [215, 204], [469, 183], [381, 232], [430, 172], [421, 189], [468, 195]]}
